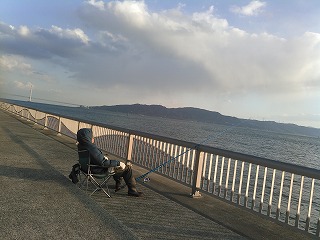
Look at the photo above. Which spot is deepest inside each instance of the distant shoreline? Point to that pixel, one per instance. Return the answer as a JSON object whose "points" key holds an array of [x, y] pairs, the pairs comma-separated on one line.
{"points": [[190, 114]]}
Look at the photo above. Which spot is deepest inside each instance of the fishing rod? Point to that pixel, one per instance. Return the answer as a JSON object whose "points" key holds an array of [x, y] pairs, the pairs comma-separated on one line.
{"points": [[146, 179], [189, 149]]}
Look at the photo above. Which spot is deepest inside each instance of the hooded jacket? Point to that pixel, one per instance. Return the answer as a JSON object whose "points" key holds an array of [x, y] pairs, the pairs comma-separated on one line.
{"points": [[84, 137]]}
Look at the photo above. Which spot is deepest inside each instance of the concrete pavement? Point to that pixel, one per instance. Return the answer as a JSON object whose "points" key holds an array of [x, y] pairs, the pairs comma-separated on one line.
{"points": [[38, 201]]}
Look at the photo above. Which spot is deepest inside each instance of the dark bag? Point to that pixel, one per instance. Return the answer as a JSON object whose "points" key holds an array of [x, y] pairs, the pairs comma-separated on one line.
{"points": [[74, 173]]}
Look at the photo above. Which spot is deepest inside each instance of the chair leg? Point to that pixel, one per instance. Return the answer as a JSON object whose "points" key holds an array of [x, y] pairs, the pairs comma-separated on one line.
{"points": [[82, 180], [85, 182], [97, 184], [100, 186], [105, 187]]}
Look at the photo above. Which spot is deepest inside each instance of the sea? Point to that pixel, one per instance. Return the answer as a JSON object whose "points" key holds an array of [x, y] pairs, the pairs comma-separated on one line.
{"points": [[283, 147]]}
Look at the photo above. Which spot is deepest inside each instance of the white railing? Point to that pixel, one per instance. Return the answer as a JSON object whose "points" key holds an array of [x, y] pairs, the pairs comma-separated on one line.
{"points": [[285, 192]]}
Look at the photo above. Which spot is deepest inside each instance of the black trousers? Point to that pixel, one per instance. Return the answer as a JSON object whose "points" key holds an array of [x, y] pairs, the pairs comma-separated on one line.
{"points": [[127, 176]]}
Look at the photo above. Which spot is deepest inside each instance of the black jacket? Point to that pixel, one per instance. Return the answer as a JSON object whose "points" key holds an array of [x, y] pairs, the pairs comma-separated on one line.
{"points": [[84, 137]]}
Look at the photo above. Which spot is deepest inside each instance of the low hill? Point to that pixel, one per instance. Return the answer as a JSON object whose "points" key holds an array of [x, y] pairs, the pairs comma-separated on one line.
{"points": [[201, 115]]}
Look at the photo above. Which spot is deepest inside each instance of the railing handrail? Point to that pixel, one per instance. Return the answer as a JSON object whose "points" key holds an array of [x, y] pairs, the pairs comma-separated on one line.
{"points": [[288, 167]]}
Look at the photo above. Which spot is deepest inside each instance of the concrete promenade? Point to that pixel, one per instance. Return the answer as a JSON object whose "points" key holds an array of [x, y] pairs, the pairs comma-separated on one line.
{"points": [[38, 200]]}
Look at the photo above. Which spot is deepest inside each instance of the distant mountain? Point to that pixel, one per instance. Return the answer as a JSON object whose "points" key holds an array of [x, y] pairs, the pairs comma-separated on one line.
{"points": [[201, 115]]}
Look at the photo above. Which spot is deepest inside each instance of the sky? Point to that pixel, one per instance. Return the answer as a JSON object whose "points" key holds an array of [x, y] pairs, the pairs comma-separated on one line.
{"points": [[248, 59]]}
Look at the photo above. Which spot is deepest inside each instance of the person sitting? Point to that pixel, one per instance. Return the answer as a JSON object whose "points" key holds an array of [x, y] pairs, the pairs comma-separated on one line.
{"points": [[86, 142]]}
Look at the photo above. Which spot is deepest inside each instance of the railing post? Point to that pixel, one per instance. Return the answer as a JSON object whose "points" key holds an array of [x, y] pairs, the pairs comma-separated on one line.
{"points": [[280, 196], [289, 200], [45, 121], [240, 184], [271, 192], [35, 118], [129, 147], [59, 127], [78, 127], [198, 174], [310, 206], [246, 197], [20, 113], [28, 116]]}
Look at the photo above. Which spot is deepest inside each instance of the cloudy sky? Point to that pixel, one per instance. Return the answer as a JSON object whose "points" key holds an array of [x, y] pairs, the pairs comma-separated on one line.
{"points": [[249, 59]]}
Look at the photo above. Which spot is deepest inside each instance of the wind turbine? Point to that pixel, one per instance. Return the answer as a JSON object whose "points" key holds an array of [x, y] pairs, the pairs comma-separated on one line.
{"points": [[30, 96]]}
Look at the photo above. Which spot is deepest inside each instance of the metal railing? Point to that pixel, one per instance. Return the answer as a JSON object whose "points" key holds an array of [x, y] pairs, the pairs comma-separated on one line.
{"points": [[285, 192]]}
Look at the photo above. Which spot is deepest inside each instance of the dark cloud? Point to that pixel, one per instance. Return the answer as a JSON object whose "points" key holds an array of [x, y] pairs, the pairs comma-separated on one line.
{"points": [[39, 43]]}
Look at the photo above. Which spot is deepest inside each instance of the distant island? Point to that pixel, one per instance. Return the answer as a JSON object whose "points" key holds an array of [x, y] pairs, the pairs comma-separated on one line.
{"points": [[185, 113], [201, 115]]}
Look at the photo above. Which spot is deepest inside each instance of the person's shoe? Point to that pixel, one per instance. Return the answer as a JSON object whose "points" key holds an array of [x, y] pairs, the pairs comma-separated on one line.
{"points": [[118, 186], [73, 176], [135, 194]]}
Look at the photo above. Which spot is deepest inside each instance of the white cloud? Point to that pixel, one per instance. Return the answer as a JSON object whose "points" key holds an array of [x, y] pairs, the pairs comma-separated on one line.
{"points": [[23, 85], [42, 43], [133, 12], [208, 17], [23, 30], [76, 33], [252, 9], [13, 63], [143, 49], [97, 4], [135, 47]]}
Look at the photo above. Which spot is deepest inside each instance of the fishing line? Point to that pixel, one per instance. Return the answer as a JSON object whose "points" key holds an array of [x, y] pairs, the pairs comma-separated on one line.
{"points": [[188, 150]]}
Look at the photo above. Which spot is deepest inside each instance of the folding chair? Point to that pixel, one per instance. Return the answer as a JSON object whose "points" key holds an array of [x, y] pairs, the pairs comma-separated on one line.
{"points": [[99, 181]]}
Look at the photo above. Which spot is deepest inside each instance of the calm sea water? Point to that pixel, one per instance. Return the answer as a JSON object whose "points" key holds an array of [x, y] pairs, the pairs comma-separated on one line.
{"points": [[300, 150]]}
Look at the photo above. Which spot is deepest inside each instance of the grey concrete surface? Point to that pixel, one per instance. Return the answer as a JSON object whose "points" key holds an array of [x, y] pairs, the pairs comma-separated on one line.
{"points": [[38, 201]]}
